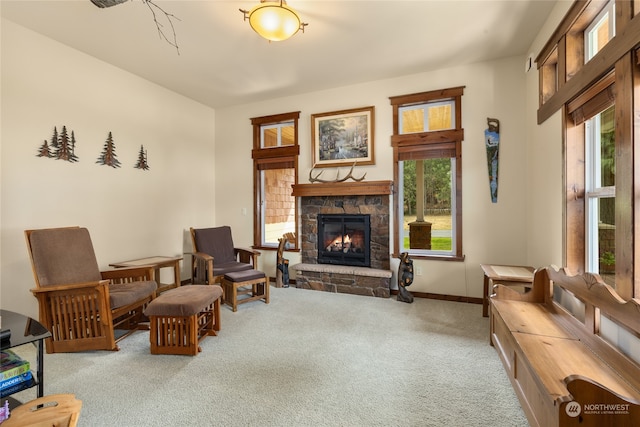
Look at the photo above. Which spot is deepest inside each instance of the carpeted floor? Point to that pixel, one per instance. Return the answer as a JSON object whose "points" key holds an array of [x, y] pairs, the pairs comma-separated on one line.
{"points": [[307, 359]]}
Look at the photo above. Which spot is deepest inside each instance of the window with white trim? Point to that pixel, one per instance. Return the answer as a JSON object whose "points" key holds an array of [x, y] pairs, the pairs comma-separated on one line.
{"points": [[600, 193], [600, 31]]}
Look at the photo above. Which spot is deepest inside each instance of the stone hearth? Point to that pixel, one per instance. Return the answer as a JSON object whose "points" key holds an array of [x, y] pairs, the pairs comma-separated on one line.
{"points": [[370, 198], [344, 279]]}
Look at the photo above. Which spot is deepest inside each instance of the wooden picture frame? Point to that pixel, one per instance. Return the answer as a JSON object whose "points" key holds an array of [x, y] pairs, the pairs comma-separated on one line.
{"points": [[343, 138]]}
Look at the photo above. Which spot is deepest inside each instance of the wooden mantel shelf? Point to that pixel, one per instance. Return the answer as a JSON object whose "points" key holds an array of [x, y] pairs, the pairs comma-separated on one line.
{"points": [[363, 188]]}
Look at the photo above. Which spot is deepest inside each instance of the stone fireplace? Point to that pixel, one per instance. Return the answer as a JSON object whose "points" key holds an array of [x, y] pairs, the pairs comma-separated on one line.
{"points": [[361, 199]]}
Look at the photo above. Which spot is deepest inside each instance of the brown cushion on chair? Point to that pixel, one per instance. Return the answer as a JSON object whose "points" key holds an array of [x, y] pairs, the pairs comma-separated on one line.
{"points": [[229, 267], [243, 276], [184, 301], [216, 242], [121, 294], [63, 256]]}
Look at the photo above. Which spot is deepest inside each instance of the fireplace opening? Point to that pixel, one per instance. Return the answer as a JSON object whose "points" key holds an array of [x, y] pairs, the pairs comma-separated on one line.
{"points": [[344, 239]]}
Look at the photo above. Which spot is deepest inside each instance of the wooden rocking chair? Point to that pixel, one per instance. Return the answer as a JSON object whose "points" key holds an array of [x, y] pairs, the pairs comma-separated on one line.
{"points": [[214, 255], [80, 305]]}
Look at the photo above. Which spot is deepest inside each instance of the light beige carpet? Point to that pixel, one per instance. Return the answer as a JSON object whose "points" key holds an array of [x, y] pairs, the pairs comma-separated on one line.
{"points": [[307, 359]]}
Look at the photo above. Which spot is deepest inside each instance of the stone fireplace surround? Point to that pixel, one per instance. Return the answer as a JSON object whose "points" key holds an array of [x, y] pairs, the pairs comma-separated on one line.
{"points": [[370, 198]]}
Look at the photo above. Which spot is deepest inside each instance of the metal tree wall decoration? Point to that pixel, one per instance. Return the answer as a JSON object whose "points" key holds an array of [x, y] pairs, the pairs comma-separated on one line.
{"points": [[61, 146], [142, 159], [108, 156], [44, 150], [153, 7]]}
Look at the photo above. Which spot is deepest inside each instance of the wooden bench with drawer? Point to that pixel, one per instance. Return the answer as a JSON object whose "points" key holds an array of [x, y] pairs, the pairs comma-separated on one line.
{"points": [[571, 349]]}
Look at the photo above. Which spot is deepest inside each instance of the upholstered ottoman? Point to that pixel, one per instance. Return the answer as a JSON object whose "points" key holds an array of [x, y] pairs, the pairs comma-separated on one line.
{"points": [[253, 282], [182, 317]]}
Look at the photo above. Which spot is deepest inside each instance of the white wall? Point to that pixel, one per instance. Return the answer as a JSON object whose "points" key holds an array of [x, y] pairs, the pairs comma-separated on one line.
{"points": [[129, 212], [545, 165], [493, 233]]}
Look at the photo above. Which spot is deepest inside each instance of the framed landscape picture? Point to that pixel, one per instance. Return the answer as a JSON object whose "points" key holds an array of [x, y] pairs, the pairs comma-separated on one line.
{"points": [[342, 138]]}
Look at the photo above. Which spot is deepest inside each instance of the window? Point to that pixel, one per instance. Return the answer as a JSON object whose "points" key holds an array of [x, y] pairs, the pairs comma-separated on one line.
{"points": [[275, 170], [600, 194], [600, 31], [599, 101], [427, 173], [591, 171]]}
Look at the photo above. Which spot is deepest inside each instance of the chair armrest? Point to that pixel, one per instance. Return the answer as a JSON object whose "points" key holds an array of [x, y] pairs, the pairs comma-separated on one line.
{"points": [[70, 287], [129, 274], [248, 250], [202, 256], [201, 268], [247, 255]]}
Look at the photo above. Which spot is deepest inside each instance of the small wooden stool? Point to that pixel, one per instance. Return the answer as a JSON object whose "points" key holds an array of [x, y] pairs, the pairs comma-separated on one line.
{"points": [[57, 410], [237, 283], [182, 317]]}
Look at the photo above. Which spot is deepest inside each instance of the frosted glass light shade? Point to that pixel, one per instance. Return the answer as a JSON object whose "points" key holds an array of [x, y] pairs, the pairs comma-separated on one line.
{"points": [[274, 20]]}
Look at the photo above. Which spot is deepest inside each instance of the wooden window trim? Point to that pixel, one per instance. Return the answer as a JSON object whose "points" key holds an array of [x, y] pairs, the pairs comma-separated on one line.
{"points": [[275, 118], [625, 40], [590, 88], [430, 144], [259, 154], [272, 158]]}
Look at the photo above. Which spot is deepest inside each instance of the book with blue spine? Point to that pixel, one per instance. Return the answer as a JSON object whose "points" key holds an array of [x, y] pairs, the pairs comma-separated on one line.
{"points": [[15, 388], [17, 380]]}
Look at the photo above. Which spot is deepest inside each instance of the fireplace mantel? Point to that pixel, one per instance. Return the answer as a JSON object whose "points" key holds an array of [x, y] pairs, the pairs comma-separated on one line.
{"points": [[364, 188]]}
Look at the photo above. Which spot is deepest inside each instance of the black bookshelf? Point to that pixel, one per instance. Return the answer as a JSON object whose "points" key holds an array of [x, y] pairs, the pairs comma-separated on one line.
{"points": [[24, 330]]}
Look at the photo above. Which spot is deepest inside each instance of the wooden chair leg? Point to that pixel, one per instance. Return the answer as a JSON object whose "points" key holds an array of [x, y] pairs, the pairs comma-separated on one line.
{"points": [[234, 296], [216, 314]]}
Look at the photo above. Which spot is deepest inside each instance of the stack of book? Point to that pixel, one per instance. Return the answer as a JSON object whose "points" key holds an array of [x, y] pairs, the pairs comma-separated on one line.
{"points": [[14, 372]]}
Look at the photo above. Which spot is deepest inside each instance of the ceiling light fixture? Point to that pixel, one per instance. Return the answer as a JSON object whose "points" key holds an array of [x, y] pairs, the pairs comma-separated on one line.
{"points": [[274, 20]]}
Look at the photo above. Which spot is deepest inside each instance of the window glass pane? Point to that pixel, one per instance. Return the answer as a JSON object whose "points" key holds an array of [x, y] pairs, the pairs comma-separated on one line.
{"points": [[607, 148], [426, 117], [621, 337], [288, 133], [601, 30], [278, 204], [440, 117], [606, 238], [569, 301], [428, 209], [601, 214], [277, 135], [413, 120], [269, 137]]}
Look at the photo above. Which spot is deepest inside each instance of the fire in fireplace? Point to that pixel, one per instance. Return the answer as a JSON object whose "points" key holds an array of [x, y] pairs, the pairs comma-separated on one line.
{"points": [[344, 239]]}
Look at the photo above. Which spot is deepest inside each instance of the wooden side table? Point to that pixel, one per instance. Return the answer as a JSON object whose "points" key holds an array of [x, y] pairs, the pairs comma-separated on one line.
{"points": [[508, 275], [157, 262]]}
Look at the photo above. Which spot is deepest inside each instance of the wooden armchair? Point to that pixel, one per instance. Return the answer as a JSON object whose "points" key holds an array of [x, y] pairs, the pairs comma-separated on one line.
{"points": [[80, 305], [214, 255]]}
